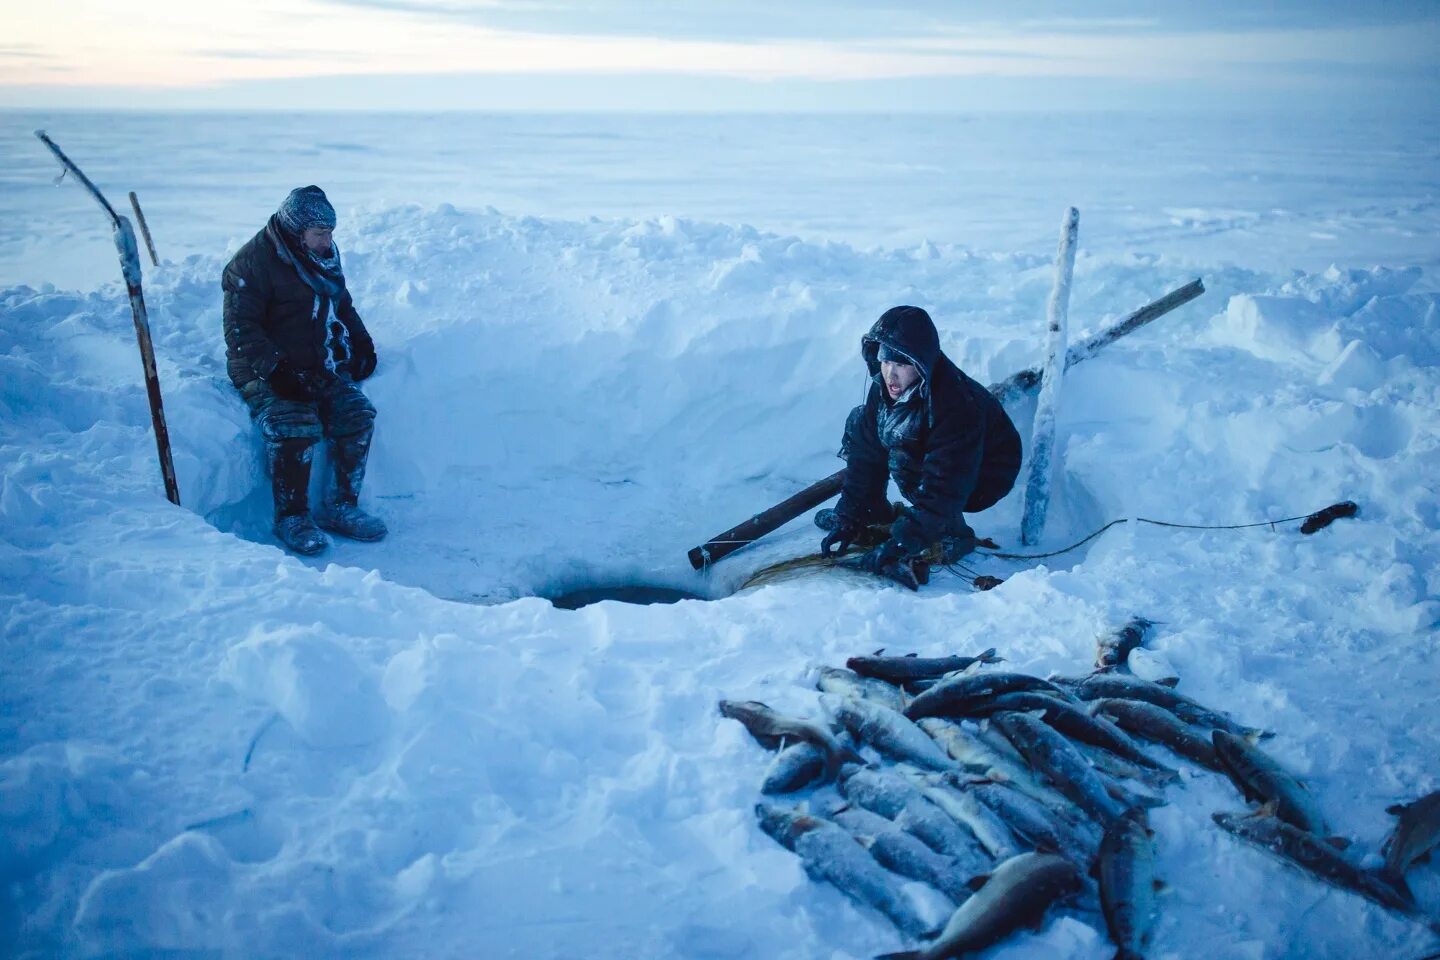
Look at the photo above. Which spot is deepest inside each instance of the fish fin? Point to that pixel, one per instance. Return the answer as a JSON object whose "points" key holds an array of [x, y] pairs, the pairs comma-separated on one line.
{"points": [[989, 656], [1424, 857], [878, 652], [1339, 843], [1262, 734], [1168, 681], [977, 881], [909, 655], [902, 955], [1395, 809]]}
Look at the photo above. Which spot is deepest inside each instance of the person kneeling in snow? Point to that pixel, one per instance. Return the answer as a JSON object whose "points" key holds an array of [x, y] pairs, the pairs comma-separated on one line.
{"points": [[296, 349], [944, 438]]}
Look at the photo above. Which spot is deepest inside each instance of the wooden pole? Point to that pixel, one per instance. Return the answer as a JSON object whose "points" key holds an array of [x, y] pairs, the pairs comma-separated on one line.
{"points": [[724, 544], [1019, 384], [1011, 388], [129, 252], [1042, 434], [144, 228]]}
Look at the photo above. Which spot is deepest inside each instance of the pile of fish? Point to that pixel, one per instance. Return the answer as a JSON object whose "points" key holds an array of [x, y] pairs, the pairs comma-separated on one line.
{"points": [[1005, 794]]}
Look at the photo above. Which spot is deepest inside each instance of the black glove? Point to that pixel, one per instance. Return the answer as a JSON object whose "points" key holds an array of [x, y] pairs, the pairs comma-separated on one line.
{"points": [[362, 364], [290, 383], [890, 561], [839, 538]]}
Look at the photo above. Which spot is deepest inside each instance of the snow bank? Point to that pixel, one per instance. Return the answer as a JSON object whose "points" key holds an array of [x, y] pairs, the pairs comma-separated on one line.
{"points": [[211, 746]]}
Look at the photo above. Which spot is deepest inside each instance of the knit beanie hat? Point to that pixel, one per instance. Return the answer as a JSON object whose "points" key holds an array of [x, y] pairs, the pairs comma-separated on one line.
{"points": [[306, 207]]}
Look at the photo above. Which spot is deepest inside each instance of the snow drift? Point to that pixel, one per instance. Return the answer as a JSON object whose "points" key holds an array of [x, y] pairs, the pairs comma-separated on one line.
{"points": [[212, 747]]}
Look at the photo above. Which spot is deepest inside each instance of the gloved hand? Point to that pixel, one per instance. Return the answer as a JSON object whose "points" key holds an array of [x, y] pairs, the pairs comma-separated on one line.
{"points": [[362, 364], [889, 560], [290, 383], [838, 540]]}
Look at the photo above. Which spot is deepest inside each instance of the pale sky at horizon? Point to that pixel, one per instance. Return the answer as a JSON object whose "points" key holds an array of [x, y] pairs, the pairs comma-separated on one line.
{"points": [[746, 54]]}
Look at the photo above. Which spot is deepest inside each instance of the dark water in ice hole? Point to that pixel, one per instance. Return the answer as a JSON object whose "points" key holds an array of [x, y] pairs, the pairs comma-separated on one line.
{"points": [[624, 593]]}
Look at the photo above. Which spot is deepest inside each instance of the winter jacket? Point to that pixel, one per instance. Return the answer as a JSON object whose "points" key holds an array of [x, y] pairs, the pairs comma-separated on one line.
{"points": [[271, 314], [949, 444]]}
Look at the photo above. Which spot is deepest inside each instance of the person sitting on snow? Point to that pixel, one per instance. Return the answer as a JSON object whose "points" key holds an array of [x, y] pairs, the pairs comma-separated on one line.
{"points": [[945, 439], [296, 350]]}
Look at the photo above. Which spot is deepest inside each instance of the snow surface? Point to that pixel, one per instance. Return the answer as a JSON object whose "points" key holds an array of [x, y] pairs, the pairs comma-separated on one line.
{"points": [[211, 748]]}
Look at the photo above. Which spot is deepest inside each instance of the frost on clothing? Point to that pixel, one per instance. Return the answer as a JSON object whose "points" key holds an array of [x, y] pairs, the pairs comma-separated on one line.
{"points": [[947, 442], [274, 313]]}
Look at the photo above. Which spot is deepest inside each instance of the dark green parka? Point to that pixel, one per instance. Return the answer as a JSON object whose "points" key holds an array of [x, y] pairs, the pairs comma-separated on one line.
{"points": [[271, 314]]}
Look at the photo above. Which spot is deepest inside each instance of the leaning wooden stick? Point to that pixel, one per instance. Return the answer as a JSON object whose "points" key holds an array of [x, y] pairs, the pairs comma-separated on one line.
{"points": [[144, 228], [129, 253], [1011, 388], [1042, 434], [1019, 384]]}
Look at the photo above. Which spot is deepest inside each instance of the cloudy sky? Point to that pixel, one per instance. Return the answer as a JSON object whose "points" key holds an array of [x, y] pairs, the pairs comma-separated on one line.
{"points": [[734, 55]]}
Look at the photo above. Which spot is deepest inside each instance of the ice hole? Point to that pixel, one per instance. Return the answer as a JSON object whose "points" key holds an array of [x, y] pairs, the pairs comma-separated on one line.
{"points": [[642, 594]]}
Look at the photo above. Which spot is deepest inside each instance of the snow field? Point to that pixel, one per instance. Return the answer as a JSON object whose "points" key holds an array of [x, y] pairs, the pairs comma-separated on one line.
{"points": [[209, 746]]}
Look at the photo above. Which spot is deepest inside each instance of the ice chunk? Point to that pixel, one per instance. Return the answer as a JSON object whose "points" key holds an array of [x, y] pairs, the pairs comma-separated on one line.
{"points": [[1358, 366]]}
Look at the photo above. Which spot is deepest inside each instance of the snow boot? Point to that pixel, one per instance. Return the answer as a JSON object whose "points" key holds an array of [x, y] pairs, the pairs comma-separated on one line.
{"points": [[957, 546], [289, 462], [342, 513], [299, 534]]}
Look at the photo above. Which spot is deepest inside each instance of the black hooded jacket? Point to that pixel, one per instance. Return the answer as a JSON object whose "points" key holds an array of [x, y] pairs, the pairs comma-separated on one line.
{"points": [[949, 444], [270, 315]]}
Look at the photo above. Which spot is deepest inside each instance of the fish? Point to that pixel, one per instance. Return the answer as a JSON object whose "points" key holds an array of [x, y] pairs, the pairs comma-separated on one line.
{"points": [[1125, 868], [849, 683], [1112, 650], [794, 768], [1116, 685], [1158, 725], [1042, 826], [1054, 756], [1075, 723], [957, 696], [888, 731], [964, 808], [1150, 665], [1016, 895], [830, 853], [979, 757], [773, 730], [903, 854], [896, 798], [1118, 769], [909, 669], [1311, 854], [1415, 836], [1261, 778]]}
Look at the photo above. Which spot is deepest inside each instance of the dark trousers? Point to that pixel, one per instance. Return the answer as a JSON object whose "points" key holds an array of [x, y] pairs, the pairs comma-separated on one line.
{"points": [[290, 428], [340, 411]]}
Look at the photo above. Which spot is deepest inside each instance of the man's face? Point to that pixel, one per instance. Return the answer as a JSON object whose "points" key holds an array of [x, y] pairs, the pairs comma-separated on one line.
{"points": [[899, 377], [317, 240]]}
